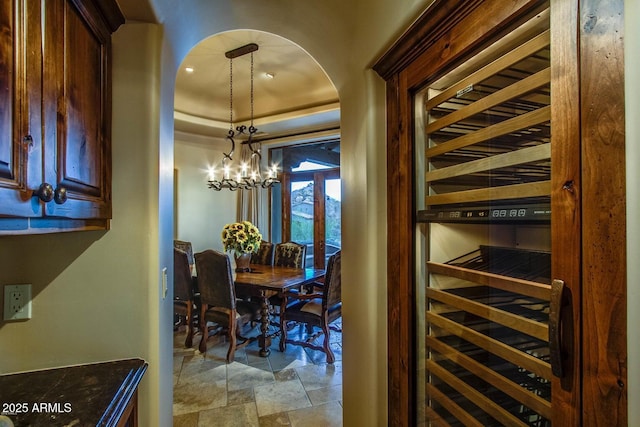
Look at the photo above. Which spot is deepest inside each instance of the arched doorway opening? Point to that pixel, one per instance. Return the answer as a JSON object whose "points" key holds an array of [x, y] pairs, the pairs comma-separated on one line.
{"points": [[295, 104]]}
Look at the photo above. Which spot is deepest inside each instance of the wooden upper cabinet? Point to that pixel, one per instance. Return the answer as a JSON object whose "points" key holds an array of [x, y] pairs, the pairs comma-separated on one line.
{"points": [[20, 99], [56, 98]]}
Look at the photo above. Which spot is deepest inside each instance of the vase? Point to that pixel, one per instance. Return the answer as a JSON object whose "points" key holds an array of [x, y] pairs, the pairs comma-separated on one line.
{"points": [[242, 262]]}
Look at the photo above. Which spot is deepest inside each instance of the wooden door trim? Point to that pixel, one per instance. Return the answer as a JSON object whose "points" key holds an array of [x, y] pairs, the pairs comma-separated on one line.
{"points": [[319, 203], [604, 260], [285, 184], [566, 194], [319, 227]]}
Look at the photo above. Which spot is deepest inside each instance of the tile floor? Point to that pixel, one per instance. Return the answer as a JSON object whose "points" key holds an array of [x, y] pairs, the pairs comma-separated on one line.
{"points": [[294, 388]]}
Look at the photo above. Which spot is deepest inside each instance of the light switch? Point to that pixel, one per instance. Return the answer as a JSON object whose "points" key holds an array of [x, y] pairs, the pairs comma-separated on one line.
{"points": [[164, 283]]}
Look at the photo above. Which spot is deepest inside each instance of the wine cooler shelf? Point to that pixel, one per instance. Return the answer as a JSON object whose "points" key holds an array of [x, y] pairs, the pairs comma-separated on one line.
{"points": [[512, 262], [487, 342]]}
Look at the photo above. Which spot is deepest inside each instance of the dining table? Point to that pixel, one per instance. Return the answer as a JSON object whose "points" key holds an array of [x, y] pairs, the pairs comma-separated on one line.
{"points": [[265, 281]]}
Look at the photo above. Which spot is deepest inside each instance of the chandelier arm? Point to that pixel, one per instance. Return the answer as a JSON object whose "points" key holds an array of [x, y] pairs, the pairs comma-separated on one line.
{"points": [[250, 142], [230, 136]]}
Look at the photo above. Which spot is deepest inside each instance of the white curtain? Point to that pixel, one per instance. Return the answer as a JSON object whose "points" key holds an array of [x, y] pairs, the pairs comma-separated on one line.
{"points": [[252, 206]]}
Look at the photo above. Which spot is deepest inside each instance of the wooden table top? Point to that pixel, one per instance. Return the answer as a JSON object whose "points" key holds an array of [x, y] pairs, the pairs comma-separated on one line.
{"points": [[276, 278]]}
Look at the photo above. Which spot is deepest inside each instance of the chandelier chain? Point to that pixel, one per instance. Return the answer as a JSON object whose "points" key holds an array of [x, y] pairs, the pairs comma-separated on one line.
{"points": [[251, 97], [231, 93]]}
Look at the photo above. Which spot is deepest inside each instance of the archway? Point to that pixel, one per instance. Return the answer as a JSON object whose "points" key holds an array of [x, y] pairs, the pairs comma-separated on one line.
{"points": [[310, 113]]}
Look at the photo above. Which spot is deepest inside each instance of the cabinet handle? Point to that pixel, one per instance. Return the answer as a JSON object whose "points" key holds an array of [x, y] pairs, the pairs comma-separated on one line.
{"points": [[555, 325], [44, 192], [28, 142], [60, 194]]}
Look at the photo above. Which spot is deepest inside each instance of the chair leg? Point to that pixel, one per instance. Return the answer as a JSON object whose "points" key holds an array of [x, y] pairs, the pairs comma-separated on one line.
{"points": [[188, 342], [325, 344], [233, 324], [205, 332], [283, 334]]}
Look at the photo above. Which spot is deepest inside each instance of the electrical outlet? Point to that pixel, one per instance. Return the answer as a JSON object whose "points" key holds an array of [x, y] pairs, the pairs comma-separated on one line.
{"points": [[17, 302]]}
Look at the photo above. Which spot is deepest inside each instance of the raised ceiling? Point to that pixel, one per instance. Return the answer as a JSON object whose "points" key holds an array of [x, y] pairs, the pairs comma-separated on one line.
{"points": [[298, 98]]}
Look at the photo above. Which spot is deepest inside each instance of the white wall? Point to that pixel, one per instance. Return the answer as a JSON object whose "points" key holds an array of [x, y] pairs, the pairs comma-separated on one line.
{"points": [[201, 212]]}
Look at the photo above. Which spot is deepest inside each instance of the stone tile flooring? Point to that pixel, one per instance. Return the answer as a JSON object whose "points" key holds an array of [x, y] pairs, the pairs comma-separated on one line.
{"points": [[294, 388]]}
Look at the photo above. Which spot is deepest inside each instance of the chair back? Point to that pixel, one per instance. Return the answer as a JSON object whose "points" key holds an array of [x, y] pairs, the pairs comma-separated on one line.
{"points": [[290, 254], [215, 281], [182, 280], [264, 255], [332, 291], [185, 247]]}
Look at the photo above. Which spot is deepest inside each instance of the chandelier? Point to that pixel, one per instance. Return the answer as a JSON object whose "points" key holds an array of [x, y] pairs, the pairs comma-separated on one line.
{"points": [[245, 174]]}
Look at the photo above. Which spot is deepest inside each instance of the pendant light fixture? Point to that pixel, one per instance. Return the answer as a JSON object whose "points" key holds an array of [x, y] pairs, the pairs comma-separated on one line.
{"points": [[244, 173]]}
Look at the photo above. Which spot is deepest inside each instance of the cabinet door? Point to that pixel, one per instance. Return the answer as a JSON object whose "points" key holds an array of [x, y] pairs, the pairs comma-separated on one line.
{"points": [[20, 139], [77, 111]]}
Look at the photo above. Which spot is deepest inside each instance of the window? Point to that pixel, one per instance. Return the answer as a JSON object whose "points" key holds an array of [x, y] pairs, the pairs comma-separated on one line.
{"points": [[310, 199]]}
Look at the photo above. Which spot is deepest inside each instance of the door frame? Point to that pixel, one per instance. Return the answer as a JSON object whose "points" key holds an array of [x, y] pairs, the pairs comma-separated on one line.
{"points": [[319, 196]]}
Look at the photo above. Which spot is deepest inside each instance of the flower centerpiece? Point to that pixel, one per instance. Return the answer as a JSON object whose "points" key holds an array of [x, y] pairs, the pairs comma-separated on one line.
{"points": [[243, 238]]}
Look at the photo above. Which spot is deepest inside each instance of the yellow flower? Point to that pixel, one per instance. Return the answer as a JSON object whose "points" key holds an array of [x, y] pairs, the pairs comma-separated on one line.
{"points": [[241, 237]]}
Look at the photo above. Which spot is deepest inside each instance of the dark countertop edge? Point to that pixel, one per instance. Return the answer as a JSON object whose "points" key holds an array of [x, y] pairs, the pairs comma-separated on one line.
{"points": [[129, 386], [51, 368]]}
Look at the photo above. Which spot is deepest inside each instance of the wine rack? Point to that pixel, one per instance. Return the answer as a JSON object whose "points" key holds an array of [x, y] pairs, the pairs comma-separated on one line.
{"points": [[487, 172], [488, 341]]}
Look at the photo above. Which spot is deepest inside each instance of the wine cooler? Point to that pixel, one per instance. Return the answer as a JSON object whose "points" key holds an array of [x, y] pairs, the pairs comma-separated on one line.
{"points": [[483, 166]]}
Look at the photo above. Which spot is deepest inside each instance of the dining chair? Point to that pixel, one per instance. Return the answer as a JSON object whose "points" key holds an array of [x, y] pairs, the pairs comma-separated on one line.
{"points": [[290, 254], [184, 301], [186, 247], [287, 254], [218, 300], [264, 256], [318, 309]]}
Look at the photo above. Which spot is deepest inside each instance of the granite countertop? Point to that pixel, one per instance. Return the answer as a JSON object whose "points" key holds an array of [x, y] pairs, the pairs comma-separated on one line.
{"points": [[94, 394]]}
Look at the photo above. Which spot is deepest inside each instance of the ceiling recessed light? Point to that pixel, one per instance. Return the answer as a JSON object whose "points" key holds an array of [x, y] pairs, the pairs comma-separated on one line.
{"points": [[269, 75], [188, 69]]}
